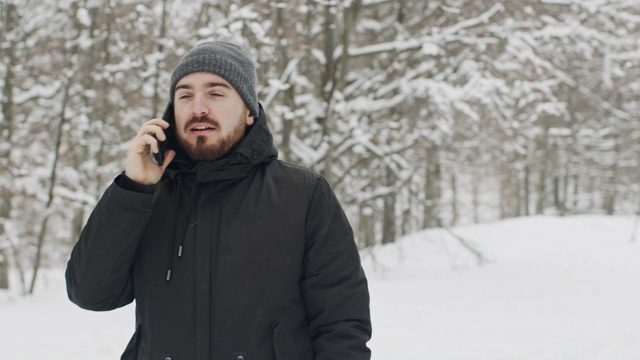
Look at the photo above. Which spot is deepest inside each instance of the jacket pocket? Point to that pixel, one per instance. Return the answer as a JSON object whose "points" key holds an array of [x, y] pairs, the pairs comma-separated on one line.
{"points": [[131, 352], [282, 344]]}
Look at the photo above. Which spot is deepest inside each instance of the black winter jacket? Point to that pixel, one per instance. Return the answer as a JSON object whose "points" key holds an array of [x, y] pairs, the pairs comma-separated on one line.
{"points": [[246, 257]]}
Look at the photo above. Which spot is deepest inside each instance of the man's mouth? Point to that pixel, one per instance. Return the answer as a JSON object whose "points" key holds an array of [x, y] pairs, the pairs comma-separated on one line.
{"points": [[202, 129]]}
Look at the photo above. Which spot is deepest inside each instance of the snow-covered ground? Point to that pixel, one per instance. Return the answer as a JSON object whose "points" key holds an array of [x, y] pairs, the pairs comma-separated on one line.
{"points": [[552, 288]]}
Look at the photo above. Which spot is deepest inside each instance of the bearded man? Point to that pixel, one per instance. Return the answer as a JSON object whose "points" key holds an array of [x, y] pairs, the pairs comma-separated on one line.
{"points": [[228, 252]]}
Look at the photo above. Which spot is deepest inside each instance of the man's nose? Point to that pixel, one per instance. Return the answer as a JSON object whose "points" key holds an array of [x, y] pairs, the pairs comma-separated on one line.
{"points": [[199, 107]]}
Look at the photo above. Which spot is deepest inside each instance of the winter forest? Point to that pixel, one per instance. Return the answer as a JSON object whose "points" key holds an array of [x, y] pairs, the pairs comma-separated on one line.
{"points": [[421, 114]]}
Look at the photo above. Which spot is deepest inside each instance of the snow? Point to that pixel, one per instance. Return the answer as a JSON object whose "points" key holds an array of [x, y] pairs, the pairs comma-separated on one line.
{"points": [[552, 288]]}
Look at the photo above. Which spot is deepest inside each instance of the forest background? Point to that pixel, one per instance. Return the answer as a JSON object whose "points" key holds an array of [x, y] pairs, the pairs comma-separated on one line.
{"points": [[420, 114]]}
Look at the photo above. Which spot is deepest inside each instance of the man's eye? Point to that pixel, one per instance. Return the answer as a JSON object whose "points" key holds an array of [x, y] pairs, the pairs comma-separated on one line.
{"points": [[182, 96]]}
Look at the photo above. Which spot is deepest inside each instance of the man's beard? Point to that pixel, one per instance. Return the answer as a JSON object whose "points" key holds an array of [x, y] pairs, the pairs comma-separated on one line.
{"points": [[204, 149]]}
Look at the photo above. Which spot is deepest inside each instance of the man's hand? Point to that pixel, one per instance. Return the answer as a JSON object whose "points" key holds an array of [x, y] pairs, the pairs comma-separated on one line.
{"points": [[140, 167]]}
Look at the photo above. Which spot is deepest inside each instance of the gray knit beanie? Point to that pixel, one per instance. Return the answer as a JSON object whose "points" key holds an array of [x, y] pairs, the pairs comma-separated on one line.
{"points": [[226, 60]]}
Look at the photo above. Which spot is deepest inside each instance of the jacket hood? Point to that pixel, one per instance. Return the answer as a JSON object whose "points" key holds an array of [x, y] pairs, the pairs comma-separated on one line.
{"points": [[255, 147]]}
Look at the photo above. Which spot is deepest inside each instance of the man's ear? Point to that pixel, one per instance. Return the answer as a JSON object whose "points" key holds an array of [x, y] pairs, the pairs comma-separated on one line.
{"points": [[250, 118]]}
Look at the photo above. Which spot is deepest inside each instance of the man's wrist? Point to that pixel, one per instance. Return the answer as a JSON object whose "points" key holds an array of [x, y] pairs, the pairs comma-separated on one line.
{"points": [[127, 183]]}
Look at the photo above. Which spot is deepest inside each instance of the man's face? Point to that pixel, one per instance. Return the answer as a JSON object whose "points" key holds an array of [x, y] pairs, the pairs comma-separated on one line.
{"points": [[210, 116]]}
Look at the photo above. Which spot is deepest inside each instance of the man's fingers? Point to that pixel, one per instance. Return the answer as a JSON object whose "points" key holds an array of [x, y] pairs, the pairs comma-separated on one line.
{"points": [[157, 121], [153, 130], [154, 127], [147, 140], [139, 165]]}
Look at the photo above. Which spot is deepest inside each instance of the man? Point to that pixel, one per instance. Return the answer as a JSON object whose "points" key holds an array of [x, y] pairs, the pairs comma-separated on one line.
{"points": [[228, 252]]}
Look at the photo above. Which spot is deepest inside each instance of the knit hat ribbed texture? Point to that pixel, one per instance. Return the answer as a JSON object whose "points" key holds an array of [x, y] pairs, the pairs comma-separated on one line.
{"points": [[226, 60]]}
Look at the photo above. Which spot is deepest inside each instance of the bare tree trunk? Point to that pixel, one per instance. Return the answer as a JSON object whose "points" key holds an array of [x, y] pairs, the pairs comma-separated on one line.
{"points": [[506, 198], [591, 187], [516, 186], [4, 270], [576, 190], [410, 199], [329, 73], [389, 212], [289, 98], [610, 191], [77, 223], [558, 200], [56, 157], [336, 71], [50, 194], [566, 182], [527, 190], [17, 263], [366, 232], [475, 193], [454, 200], [406, 227], [104, 105], [433, 177], [9, 19], [541, 190], [636, 223], [155, 101], [6, 122], [328, 81]]}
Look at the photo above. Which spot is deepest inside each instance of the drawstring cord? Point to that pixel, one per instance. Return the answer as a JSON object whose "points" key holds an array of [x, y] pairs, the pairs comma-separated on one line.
{"points": [[179, 236], [178, 189]]}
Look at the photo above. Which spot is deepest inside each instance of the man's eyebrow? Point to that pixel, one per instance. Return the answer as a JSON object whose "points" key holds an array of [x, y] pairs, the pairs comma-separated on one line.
{"points": [[209, 85], [218, 84], [183, 86]]}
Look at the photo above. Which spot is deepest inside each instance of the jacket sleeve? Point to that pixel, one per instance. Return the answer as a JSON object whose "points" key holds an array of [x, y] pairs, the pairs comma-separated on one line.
{"points": [[334, 285], [99, 270]]}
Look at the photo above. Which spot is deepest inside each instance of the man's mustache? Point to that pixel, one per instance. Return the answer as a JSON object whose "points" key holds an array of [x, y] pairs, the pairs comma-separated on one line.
{"points": [[201, 120]]}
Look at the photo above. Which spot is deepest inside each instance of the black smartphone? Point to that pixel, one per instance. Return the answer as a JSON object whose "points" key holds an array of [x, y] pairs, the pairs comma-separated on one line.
{"points": [[163, 146]]}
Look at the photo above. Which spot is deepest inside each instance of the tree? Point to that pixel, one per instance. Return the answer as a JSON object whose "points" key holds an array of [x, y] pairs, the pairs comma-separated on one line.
{"points": [[419, 113]]}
